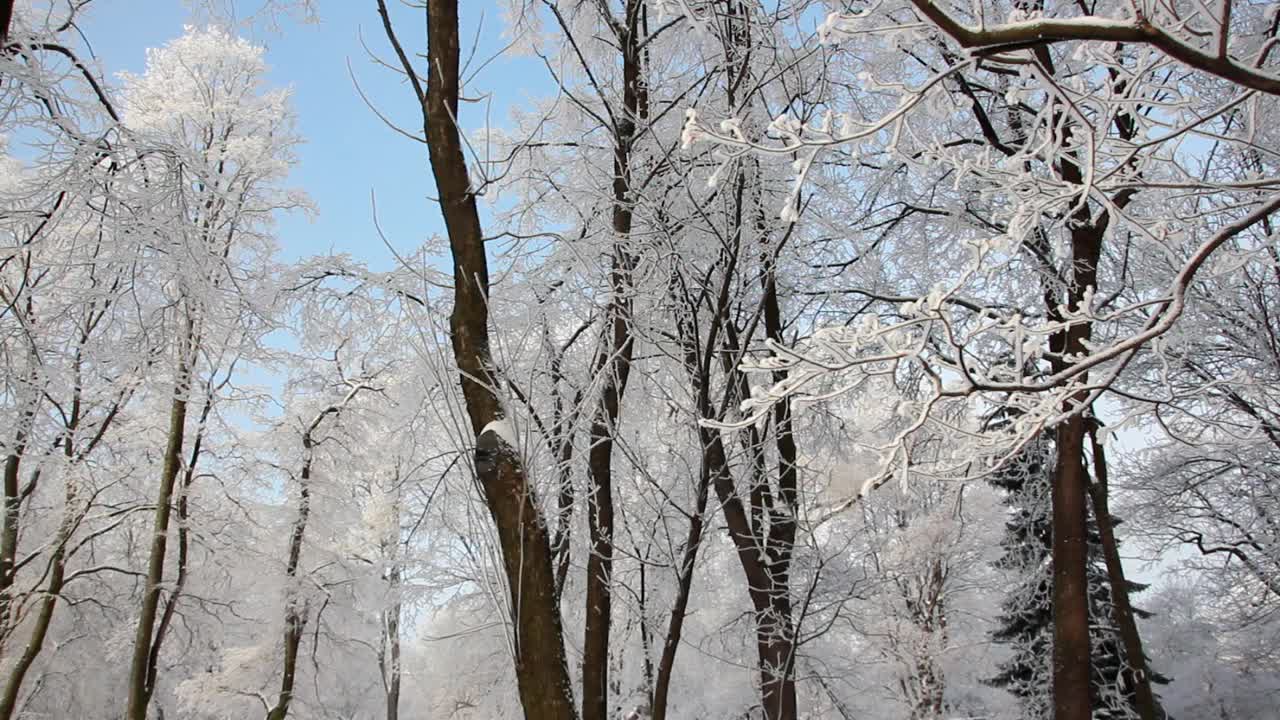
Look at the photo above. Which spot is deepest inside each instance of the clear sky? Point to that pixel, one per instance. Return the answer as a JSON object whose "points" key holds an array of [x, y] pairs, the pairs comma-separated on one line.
{"points": [[349, 153]]}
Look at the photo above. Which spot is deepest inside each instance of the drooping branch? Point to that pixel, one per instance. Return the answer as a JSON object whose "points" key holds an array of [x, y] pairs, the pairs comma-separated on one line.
{"points": [[993, 39]]}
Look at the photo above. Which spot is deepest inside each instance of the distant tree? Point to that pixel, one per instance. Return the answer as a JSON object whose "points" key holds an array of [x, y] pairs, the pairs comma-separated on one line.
{"points": [[221, 144]]}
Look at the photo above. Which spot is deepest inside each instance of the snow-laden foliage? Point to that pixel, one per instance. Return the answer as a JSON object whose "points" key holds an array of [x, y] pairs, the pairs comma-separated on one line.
{"points": [[744, 264]]}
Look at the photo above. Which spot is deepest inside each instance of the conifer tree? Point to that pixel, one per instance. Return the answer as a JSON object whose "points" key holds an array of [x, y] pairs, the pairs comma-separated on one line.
{"points": [[1026, 621]]}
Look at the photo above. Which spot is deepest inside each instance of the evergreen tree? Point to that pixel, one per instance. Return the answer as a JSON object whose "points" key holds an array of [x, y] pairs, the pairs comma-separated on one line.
{"points": [[1026, 622]]}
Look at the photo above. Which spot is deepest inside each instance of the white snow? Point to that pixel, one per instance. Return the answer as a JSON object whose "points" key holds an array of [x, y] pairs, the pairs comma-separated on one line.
{"points": [[503, 428]]}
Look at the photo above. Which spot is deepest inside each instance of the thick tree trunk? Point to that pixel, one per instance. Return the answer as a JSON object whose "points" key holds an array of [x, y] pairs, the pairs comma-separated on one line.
{"points": [[542, 672], [1072, 654], [1139, 675], [9, 536], [6, 19], [782, 517], [1071, 650]]}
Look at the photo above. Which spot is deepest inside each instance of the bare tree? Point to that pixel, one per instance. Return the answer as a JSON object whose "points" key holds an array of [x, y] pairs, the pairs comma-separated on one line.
{"points": [[541, 669]]}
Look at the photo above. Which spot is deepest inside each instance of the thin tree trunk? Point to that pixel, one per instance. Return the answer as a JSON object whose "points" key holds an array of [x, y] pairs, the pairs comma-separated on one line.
{"points": [[1136, 659], [296, 609], [646, 635], [138, 696], [180, 581], [72, 516], [295, 613], [390, 656], [542, 671], [693, 541], [684, 587], [35, 642], [614, 361], [13, 506]]}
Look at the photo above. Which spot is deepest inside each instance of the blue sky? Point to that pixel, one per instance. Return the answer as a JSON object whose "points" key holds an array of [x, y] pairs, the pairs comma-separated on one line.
{"points": [[349, 153]]}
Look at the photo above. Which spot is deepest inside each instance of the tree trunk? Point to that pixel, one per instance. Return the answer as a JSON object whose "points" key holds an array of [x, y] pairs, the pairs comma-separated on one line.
{"points": [[35, 642], [1071, 650], [1072, 654], [296, 609], [9, 536], [6, 18], [139, 698], [13, 505], [184, 514], [693, 541], [390, 656], [542, 672], [684, 586], [295, 613], [614, 361], [1139, 675]]}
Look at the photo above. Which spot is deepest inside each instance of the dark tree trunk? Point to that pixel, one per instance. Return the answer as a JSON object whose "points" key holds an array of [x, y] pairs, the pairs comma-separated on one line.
{"points": [[1072, 656], [1071, 649], [1139, 675], [541, 669], [180, 580], [6, 18], [57, 574], [614, 362], [139, 697], [295, 609], [9, 536]]}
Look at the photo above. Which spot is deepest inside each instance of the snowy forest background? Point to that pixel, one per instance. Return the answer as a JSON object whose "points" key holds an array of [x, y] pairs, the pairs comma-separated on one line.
{"points": [[785, 359]]}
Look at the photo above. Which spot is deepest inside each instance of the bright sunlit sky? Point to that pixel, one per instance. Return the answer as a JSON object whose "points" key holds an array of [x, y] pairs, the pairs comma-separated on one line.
{"points": [[349, 153]]}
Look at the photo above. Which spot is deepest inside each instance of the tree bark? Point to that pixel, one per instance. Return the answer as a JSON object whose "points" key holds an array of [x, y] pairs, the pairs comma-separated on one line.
{"points": [[1072, 653], [13, 505], [1139, 675], [296, 609], [1071, 649], [542, 673], [9, 536], [6, 18], [52, 592]]}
